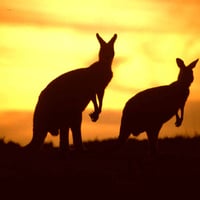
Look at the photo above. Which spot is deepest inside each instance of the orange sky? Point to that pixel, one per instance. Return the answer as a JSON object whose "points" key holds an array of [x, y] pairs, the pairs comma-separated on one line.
{"points": [[41, 39]]}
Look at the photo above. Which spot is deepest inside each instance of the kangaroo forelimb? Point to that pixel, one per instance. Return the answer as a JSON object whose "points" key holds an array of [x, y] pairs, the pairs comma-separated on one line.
{"points": [[100, 95], [179, 119], [95, 115]]}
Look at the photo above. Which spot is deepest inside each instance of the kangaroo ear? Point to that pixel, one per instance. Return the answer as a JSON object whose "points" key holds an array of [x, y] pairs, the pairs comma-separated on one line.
{"points": [[180, 63], [193, 64], [112, 40], [101, 41]]}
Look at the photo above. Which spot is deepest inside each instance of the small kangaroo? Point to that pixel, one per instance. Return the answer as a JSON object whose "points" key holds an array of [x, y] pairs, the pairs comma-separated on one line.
{"points": [[61, 103], [148, 110]]}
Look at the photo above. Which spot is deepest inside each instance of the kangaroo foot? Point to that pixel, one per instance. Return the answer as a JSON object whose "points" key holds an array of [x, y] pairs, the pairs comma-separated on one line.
{"points": [[94, 116]]}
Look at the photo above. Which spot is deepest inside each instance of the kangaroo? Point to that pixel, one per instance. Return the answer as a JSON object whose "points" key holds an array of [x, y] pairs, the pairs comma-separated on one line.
{"points": [[61, 103], [148, 110]]}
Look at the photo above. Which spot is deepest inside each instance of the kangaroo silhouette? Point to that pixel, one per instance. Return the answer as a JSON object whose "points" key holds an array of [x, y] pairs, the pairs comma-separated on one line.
{"points": [[148, 110], [61, 103]]}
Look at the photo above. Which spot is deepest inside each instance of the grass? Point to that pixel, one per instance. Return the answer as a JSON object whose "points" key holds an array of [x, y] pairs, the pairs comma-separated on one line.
{"points": [[102, 172]]}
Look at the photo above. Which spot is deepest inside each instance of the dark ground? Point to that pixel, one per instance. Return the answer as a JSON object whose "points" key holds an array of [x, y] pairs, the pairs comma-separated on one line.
{"points": [[100, 173]]}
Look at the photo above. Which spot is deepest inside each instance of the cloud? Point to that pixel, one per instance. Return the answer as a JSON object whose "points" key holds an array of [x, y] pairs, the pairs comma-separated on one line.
{"points": [[36, 18], [141, 17], [26, 17]]}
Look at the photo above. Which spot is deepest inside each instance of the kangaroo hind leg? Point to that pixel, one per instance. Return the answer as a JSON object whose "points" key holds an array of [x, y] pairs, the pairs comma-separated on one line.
{"points": [[123, 134], [37, 140], [152, 134], [64, 139], [76, 131]]}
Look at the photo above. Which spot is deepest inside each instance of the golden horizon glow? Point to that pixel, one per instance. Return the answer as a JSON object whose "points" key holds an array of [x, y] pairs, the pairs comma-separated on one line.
{"points": [[41, 40]]}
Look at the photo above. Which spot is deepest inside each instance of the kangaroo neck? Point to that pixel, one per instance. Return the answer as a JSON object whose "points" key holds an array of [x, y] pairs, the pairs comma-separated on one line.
{"points": [[107, 61], [182, 85], [101, 67], [105, 64]]}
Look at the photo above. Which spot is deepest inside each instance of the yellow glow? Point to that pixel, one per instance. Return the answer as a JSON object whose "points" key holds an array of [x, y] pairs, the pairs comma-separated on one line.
{"points": [[37, 48], [41, 39]]}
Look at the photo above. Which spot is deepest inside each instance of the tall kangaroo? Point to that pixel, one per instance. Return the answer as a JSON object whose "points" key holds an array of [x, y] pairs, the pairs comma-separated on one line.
{"points": [[61, 103], [148, 110]]}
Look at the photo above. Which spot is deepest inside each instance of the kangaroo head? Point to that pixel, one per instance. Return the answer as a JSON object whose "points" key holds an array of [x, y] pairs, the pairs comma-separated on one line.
{"points": [[106, 52], [186, 74]]}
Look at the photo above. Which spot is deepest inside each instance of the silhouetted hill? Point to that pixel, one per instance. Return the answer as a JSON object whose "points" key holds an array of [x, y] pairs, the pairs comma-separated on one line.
{"points": [[101, 171]]}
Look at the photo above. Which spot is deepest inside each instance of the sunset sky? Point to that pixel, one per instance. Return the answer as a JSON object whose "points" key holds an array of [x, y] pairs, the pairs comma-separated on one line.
{"points": [[41, 39]]}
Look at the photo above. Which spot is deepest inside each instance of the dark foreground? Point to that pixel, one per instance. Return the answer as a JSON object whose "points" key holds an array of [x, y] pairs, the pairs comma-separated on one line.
{"points": [[100, 173]]}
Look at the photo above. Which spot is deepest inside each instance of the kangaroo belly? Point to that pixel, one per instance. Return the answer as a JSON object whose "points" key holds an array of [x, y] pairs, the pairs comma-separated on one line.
{"points": [[49, 118]]}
